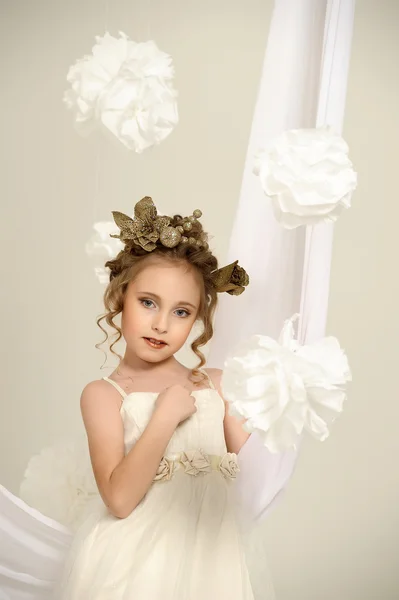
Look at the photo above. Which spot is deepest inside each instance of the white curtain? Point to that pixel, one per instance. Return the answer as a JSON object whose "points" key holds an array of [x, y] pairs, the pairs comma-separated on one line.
{"points": [[331, 109], [303, 84]]}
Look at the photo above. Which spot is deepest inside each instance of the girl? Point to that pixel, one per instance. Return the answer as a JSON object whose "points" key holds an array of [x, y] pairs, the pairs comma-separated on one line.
{"points": [[162, 444]]}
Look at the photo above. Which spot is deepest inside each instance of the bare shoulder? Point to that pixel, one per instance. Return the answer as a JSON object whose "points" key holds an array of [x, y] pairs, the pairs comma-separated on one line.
{"points": [[98, 386], [98, 396], [100, 406], [216, 376]]}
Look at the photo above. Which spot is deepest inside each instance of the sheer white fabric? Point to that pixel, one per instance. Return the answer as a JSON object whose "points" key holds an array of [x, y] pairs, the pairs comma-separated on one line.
{"points": [[331, 109], [303, 84], [32, 551]]}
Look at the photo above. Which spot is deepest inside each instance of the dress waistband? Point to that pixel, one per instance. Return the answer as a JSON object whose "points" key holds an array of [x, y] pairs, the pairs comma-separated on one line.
{"points": [[197, 462]]}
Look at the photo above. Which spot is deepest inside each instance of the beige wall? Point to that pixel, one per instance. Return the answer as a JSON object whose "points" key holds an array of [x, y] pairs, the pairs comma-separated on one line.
{"points": [[335, 536]]}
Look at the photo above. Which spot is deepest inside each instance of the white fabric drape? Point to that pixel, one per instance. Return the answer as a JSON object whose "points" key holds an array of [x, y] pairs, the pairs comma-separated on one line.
{"points": [[303, 84], [32, 551], [331, 108]]}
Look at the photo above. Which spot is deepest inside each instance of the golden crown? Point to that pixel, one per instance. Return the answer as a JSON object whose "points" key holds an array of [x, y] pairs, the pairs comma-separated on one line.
{"points": [[148, 230]]}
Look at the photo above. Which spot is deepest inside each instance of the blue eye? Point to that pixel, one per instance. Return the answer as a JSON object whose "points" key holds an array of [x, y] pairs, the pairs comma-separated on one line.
{"points": [[183, 313], [147, 303]]}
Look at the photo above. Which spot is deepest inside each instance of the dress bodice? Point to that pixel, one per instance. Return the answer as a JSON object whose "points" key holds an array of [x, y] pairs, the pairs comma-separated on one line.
{"points": [[203, 430]]}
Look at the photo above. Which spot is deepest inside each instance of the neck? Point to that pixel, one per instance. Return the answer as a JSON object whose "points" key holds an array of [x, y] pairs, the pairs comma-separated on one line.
{"points": [[131, 364]]}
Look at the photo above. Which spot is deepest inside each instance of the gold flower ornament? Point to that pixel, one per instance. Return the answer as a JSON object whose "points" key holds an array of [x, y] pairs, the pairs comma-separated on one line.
{"points": [[148, 231]]}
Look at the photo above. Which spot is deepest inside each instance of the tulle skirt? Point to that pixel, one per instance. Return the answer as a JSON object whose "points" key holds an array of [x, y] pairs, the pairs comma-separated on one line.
{"points": [[181, 543]]}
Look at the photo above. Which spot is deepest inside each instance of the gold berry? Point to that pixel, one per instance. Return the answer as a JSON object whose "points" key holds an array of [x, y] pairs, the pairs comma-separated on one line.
{"points": [[170, 237]]}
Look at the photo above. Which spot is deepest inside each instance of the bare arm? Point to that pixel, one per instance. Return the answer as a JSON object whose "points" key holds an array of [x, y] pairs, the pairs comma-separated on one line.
{"points": [[234, 434], [123, 481]]}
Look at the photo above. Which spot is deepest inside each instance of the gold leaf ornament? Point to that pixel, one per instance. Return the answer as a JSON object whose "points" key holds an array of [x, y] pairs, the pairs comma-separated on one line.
{"points": [[147, 228], [145, 210]]}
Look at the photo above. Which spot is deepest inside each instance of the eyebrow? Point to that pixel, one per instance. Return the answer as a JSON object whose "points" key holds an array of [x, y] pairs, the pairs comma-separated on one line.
{"points": [[181, 302]]}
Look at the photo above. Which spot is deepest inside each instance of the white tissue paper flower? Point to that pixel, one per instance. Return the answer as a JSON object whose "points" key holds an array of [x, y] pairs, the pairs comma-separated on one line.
{"points": [[308, 176], [126, 87], [101, 247], [59, 482], [282, 388]]}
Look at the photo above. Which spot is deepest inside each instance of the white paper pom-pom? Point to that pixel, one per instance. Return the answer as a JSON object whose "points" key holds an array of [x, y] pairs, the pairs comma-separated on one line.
{"points": [[127, 88], [308, 176], [59, 482], [282, 388], [101, 247]]}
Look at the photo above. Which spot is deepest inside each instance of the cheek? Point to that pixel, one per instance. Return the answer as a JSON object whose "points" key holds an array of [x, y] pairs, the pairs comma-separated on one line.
{"points": [[183, 329], [132, 319]]}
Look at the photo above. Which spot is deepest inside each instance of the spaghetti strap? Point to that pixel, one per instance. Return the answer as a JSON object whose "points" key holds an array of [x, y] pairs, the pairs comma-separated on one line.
{"points": [[211, 384], [116, 386]]}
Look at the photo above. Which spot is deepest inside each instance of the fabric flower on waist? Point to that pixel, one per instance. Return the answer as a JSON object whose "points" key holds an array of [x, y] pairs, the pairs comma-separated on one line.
{"points": [[229, 466], [195, 462], [165, 470]]}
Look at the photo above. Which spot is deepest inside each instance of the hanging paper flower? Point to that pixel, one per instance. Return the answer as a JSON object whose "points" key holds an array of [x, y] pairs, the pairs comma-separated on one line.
{"points": [[126, 87], [59, 482], [282, 388], [308, 176], [101, 247]]}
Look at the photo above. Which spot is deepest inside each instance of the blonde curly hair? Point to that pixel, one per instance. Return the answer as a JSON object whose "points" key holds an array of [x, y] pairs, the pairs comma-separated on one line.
{"points": [[133, 259]]}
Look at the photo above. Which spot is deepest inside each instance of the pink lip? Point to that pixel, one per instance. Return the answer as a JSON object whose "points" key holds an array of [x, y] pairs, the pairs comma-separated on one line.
{"points": [[153, 345], [155, 340]]}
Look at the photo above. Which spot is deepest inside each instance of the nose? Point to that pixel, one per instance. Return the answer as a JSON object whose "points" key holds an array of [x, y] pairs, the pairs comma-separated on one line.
{"points": [[160, 323]]}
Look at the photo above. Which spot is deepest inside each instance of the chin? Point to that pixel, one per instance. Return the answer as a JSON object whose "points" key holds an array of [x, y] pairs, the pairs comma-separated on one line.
{"points": [[155, 356], [150, 358]]}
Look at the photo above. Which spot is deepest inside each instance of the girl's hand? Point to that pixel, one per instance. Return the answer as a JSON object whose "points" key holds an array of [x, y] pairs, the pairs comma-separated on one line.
{"points": [[175, 403]]}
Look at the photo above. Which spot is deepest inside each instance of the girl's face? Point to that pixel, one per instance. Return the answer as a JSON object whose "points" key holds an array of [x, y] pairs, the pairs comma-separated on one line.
{"points": [[161, 306]]}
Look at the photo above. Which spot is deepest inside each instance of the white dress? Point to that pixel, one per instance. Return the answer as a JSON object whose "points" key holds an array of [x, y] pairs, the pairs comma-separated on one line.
{"points": [[182, 542]]}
